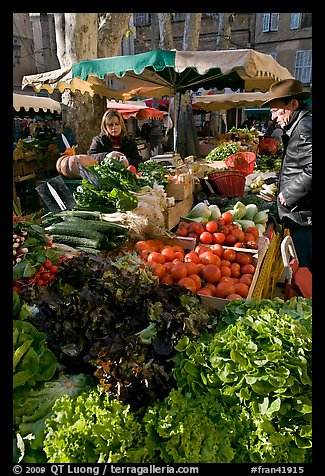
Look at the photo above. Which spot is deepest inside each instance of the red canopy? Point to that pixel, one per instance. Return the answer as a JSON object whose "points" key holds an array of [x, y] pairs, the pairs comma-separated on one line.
{"points": [[131, 110], [163, 103]]}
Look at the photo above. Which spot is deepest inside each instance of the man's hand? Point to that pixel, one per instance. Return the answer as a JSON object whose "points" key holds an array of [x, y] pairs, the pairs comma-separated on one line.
{"points": [[282, 199]]}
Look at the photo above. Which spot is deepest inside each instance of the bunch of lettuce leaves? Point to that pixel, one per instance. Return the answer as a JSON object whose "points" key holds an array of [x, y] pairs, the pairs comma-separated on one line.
{"points": [[258, 360], [176, 429], [113, 319], [31, 410]]}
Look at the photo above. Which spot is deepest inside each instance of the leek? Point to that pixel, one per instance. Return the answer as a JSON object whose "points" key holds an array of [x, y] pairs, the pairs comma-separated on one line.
{"points": [[261, 217], [239, 211], [251, 211], [245, 223], [215, 212]]}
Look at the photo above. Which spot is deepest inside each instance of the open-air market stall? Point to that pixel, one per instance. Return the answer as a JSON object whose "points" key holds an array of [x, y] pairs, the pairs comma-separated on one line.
{"points": [[117, 346], [162, 73], [35, 103], [35, 151], [139, 312]]}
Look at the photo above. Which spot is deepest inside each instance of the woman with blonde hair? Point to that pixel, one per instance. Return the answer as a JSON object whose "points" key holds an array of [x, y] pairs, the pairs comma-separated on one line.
{"points": [[114, 141]]}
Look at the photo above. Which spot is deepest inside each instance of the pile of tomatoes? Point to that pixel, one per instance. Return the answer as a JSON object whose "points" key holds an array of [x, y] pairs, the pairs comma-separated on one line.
{"points": [[222, 231], [212, 270]]}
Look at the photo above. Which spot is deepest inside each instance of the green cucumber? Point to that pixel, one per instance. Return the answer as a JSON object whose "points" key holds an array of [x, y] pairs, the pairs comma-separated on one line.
{"points": [[72, 228], [77, 241]]}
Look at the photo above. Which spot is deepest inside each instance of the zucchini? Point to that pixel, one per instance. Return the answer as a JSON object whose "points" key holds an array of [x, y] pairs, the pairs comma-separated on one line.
{"points": [[106, 227], [77, 241], [73, 228]]}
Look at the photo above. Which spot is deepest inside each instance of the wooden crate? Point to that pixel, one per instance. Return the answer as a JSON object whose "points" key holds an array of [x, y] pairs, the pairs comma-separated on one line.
{"points": [[257, 260], [29, 167], [173, 214], [180, 191], [17, 168]]}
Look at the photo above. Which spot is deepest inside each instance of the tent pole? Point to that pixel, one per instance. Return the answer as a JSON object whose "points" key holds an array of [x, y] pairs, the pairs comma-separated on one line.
{"points": [[174, 124]]}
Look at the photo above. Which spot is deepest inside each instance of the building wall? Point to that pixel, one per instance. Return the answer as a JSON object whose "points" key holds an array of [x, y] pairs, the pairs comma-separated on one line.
{"points": [[284, 42], [36, 48], [246, 33], [23, 49]]}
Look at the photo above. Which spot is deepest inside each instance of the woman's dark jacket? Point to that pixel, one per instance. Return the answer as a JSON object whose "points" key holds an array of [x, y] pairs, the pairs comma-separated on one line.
{"points": [[295, 181], [101, 145]]}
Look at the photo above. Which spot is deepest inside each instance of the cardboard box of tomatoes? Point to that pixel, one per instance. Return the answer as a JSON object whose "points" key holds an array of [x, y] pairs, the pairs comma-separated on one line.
{"points": [[256, 259]]}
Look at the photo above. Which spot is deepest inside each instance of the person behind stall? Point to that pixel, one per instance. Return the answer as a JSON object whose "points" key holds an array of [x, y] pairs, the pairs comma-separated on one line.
{"points": [[145, 132], [206, 130], [269, 128], [114, 141], [294, 202], [277, 133], [248, 124]]}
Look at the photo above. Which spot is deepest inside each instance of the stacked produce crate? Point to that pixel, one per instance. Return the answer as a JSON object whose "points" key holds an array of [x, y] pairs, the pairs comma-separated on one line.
{"points": [[181, 189], [24, 168]]}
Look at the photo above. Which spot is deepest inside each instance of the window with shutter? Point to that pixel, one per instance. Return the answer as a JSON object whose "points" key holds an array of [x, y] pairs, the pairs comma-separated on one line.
{"points": [[295, 21], [266, 22], [141, 19], [270, 22], [275, 17], [303, 66]]}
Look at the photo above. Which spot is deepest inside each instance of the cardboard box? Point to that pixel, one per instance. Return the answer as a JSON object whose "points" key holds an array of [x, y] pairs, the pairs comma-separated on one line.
{"points": [[180, 191], [257, 260], [173, 214]]}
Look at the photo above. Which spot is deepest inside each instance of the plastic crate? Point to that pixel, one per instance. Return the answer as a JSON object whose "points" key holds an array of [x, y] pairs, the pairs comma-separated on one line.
{"points": [[242, 161], [230, 183]]}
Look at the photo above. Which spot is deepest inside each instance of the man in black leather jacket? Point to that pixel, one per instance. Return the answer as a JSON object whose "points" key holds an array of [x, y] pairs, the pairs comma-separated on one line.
{"points": [[286, 101]]}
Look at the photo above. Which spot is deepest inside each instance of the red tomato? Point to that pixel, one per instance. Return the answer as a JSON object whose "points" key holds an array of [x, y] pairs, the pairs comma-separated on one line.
{"points": [[168, 253], [217, 249], [211, 226], [211, 273], [206, 238], [218, 238], [253, 230], [248, 269], [230, 240], [188, 283], [227, 217], [192, 256]]}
